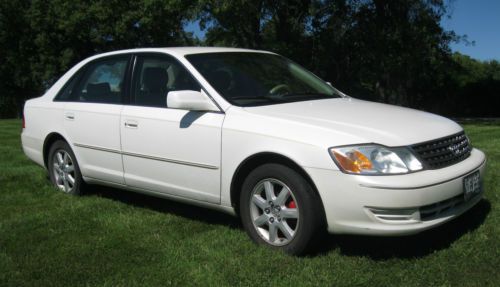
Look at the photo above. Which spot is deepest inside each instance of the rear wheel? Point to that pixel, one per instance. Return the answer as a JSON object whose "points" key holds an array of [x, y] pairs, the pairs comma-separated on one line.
{"points": [[279, 208], [63, 169]]}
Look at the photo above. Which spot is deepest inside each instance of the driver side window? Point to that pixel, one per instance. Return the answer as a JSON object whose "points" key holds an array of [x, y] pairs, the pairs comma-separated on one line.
{"points": [[156, 76]]}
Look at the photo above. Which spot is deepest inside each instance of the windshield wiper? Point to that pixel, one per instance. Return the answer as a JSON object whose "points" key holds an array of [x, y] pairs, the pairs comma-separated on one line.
{"points": [[305, 95], [308, 94], [284, 98], [258, 99]]}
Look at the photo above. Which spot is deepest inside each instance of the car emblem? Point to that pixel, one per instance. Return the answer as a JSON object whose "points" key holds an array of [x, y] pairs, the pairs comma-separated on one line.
{"points": [[455, 149]]}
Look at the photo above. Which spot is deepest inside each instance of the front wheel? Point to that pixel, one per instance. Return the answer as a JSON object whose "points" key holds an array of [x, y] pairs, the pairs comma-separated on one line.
{"points": [[63, 169], [279, 208]]}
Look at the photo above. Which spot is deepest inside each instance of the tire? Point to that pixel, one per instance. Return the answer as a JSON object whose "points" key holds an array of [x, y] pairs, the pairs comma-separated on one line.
{"points": [[287, 222], [64, 171]]}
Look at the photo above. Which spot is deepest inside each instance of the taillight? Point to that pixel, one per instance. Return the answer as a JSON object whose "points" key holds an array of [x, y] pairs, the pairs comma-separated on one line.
{"points": [[24, 122]]}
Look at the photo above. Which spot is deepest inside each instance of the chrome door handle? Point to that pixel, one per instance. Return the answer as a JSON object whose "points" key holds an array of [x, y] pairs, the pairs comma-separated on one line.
{"points": [[132, 125]]}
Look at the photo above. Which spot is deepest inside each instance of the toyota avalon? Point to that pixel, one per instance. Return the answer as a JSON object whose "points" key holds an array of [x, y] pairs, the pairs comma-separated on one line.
{"points": [[256, 135]]}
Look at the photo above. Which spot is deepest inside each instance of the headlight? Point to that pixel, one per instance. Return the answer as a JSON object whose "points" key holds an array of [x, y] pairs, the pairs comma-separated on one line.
{"points": [[375, 159]]}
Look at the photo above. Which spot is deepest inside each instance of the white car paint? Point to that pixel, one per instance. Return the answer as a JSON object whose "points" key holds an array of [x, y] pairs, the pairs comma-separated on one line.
{"points": [[92, 124], [193, 157], [179, 136]]}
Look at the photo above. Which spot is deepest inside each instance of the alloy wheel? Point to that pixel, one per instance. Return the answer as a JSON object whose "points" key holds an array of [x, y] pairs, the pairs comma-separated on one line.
{"points": [[274, 212], [63, 170]]}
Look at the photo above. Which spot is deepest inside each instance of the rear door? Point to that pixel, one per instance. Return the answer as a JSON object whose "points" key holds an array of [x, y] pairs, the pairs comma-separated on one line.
{"points": [[92, 117], [167, 150]]}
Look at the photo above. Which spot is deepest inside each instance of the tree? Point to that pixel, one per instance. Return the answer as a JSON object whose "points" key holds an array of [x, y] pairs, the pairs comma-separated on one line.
{"points": [[389, 51], [40, 40], [475, 86], [234, 23], [15, 46]]}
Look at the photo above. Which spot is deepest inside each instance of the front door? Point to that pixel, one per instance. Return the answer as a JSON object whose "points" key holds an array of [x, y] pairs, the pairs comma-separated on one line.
{"points": [[167, 150]]}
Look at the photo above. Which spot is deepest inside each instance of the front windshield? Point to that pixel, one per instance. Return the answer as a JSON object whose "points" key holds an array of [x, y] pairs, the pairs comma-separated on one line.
{"points": [[252, 79]]}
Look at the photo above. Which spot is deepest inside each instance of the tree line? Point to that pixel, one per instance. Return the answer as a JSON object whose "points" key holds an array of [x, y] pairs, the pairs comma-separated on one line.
{"points": [[388, 51]]}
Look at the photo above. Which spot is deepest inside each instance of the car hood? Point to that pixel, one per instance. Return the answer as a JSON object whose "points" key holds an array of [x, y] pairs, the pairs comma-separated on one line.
{"points": [[353, 121]]}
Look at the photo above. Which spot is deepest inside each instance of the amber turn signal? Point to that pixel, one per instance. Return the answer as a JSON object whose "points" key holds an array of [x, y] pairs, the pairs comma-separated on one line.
{"points": [[353, 161]]}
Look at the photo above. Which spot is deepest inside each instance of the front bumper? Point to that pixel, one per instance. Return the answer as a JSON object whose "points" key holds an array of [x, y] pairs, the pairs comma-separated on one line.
{"points": [[357, 204]]}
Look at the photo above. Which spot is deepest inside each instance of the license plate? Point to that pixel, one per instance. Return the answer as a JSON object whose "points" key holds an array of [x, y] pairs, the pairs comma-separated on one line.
{"points": [[472, 185]]}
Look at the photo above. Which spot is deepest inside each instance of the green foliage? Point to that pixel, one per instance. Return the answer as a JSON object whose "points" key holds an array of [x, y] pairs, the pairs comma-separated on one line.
{"points": [[391, 50], [117, 238], [15, 68], [388, 51], [471, 70], [40, 40], [233, 23], [476, 87]]}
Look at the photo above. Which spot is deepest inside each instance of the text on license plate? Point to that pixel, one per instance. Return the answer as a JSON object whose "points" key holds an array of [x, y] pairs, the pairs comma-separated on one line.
{"points": [[472, 185]]}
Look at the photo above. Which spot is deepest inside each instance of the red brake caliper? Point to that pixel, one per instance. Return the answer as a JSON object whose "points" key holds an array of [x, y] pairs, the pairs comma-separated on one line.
{"points": [[291, 204]]}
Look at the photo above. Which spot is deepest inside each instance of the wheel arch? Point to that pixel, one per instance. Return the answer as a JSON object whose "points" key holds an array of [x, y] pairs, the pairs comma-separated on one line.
{"points": [[49, 140], [256, 160]]}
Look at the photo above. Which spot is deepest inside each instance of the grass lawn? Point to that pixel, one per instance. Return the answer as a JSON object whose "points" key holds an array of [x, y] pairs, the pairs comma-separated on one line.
{"points": [[117, 238]]}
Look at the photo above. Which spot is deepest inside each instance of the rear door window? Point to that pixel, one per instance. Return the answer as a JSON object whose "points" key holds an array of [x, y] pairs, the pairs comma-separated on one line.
{"points": [[102, 82]]}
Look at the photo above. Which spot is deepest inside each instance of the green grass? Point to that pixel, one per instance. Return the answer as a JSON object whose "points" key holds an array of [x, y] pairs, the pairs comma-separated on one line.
{"points": [[117, 238]]}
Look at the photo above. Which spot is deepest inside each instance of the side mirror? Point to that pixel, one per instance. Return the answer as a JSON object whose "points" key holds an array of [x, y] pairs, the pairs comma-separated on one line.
{"points": [[190, 100]]}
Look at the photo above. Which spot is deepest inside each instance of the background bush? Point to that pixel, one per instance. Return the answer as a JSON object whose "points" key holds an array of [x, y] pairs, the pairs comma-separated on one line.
{"points": [[388, 51]]}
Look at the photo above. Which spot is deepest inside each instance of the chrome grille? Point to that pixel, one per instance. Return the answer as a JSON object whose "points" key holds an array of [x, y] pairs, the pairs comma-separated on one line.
{"points": [[443, 152]]}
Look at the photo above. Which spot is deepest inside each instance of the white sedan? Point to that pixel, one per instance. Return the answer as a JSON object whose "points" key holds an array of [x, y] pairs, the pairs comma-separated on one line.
{"points": [[253, 134]]}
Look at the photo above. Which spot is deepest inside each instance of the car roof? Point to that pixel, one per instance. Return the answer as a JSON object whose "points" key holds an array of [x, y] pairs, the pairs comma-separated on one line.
{"points": [[179, 51]]}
